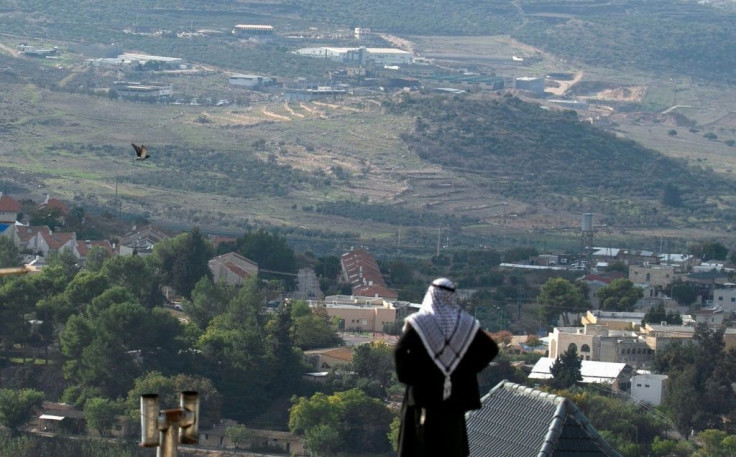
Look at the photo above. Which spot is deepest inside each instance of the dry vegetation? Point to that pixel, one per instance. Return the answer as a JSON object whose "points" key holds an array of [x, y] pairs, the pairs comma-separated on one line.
{"points": [[316, 137]]}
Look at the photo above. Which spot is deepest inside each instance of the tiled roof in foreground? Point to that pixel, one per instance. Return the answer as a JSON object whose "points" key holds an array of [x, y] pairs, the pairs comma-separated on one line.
{"points": [[519, 421]]}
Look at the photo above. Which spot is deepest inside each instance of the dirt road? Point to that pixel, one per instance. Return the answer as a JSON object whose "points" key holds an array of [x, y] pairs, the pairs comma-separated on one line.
{"points": [[564, 85]]}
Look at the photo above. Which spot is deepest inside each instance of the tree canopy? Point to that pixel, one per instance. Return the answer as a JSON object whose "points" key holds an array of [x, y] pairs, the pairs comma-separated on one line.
{"points": [[358, 423], [620, 295], [183, 260], [559, 296], [700, 375], [17, 406], [566, 369]]}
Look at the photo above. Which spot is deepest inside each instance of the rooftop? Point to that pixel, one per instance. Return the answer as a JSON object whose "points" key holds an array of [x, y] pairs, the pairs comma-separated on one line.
{"points": [[592, 371], [518, 421]]}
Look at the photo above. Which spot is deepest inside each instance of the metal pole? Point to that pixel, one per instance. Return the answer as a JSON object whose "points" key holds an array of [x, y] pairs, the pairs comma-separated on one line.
{"points": [[165, 429]]}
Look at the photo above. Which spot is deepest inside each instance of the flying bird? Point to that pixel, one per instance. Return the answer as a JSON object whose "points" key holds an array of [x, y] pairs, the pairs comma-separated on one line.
{"points": [[141, 152]]}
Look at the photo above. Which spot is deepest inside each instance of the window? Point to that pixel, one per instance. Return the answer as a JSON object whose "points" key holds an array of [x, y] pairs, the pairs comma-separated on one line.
{"points": [[638, 385], [720, 298], [646, 385], [585, 348]]}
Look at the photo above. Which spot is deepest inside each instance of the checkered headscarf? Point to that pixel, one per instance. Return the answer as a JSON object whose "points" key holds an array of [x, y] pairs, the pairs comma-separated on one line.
{"points": [[445, 330]]}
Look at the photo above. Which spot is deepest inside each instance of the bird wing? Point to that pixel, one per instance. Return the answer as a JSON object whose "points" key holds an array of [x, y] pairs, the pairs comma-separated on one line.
{"points": [[137, 149]]}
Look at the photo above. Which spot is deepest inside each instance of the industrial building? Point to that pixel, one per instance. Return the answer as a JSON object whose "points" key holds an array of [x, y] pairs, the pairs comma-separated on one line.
{"points": [[304, 95], [530, 84], [360, 55], [252, 30], [138, 90], [250, 81]]}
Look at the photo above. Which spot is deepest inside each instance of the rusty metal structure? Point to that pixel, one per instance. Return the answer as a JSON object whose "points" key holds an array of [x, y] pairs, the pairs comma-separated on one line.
{"points": [[167, 428], [14, 271]]}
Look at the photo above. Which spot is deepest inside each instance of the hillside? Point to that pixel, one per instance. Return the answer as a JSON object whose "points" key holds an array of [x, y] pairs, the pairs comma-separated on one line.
{"points": [[549, 158], [669, 38], [378, 167]]}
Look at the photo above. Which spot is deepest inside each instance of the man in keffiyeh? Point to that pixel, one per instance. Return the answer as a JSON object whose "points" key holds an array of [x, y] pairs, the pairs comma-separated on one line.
{"points": [[438, 357]]}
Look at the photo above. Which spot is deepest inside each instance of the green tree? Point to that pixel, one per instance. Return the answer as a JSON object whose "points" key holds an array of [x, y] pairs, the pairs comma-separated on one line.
{"points": [[49, 217], [112, 342], [208, 300], [393, 433], [132, 272], [683, 292], [235, 350], [100, 414], [183, 260], [671, 196], [66, 262], [18, 406], [315, 330], [712, 443], [620, 295], [560, 296], [9, 255], [284, 358], [96, 258], [655, 314], [362, 423], [700, 374], [169, 388], [566, 369], [270, 251], [239, 435], [374, 362], [324, 440], [709, 250], [400, 273], [79, 293], [519, 253]]}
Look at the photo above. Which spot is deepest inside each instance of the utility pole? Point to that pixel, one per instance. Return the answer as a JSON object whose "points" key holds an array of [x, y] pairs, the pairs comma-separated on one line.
{"points": [[439, 237]]}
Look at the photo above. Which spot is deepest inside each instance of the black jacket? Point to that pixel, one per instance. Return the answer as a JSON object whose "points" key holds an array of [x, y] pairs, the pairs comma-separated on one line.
{"points": [[425, 381]]}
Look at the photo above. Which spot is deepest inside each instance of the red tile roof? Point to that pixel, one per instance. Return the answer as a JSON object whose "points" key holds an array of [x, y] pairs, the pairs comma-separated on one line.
{"points": [[362, 272], [375, 291], [26, 232], [237, 270], [51, 202], [58, 239], [84, 246], [8, 203]]}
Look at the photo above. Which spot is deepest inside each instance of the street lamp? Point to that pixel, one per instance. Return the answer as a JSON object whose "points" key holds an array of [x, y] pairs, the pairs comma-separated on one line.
{"points": [[165, 429]]}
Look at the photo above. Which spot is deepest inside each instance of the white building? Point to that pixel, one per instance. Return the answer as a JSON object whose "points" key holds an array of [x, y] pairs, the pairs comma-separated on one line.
{"points": [[360, 55], [649, 387], [725, 299], [232, 268], [252, 30], [250, 80], [616, 374]]}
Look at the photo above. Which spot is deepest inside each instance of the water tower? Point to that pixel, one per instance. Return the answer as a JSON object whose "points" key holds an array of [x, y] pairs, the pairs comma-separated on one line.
{"points": [[586, 235]]}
